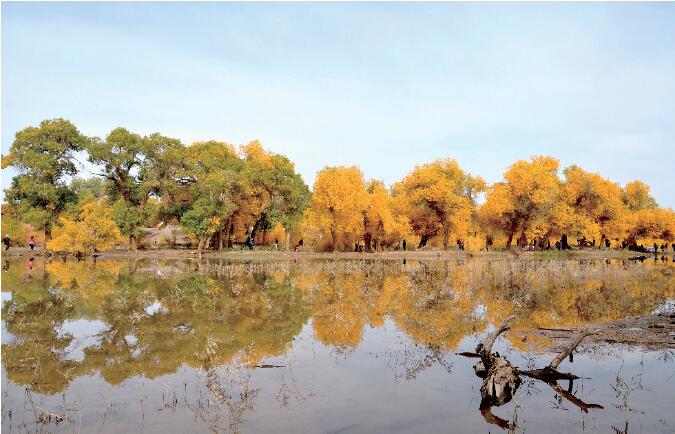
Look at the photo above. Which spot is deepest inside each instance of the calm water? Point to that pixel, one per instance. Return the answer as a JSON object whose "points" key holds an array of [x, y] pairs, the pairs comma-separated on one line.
{"points": [[320, 346]]}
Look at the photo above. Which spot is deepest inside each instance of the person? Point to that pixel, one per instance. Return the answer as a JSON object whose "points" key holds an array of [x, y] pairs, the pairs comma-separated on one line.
{"points": [[249, 243], [405, 245], [608, 243], [488, 242], [276, 244], [6, 241], [31, 242], [30, 263]]}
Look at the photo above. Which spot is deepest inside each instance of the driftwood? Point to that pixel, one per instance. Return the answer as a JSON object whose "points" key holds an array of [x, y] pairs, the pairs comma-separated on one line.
{"points": [[501, 379]]}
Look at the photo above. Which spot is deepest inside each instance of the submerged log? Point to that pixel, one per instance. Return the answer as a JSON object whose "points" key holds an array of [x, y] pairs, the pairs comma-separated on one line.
{"points": [[501, 379]]}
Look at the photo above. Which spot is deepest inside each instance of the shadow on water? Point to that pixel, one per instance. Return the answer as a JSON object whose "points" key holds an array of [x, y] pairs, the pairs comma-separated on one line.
{"points": [[226, 346]]}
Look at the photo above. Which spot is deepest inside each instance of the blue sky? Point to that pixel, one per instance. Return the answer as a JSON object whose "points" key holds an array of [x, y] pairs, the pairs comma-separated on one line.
{"points": [[382, 85]]}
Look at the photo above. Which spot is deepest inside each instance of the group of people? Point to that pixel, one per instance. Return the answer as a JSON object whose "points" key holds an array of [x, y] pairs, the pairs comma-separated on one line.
{"points": [[7, 241]]}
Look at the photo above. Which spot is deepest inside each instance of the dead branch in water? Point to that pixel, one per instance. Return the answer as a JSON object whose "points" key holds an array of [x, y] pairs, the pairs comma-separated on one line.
{"points": [[501, 379], [571, 347], [486, 347]]}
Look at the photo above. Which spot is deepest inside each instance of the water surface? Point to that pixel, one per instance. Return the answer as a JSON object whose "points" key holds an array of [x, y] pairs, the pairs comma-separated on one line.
{"points": [[320, 346]]}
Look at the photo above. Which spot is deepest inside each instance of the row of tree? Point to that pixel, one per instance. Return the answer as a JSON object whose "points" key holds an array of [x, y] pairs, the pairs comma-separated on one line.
{"points": [[222, 194], [533, 206]]}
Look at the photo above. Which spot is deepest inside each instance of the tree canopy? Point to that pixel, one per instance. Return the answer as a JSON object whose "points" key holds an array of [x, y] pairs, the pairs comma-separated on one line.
{"points": [[223, 194]]}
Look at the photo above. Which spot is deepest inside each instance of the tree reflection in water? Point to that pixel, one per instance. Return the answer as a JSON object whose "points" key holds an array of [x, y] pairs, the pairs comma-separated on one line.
{"points": [[214, 315]]}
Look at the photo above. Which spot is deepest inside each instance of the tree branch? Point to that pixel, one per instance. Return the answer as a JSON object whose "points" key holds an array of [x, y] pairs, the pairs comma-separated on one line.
{"points": [[571, 347], [490, 339]]}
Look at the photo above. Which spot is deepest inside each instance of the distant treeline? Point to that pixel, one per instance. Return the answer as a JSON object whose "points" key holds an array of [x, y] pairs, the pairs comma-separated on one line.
{"points": [[223, 195]]}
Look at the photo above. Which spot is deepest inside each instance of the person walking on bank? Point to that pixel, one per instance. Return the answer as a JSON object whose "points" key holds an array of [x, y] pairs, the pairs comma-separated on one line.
{"points": [[31, 242], [6, 241], [404, 245]]}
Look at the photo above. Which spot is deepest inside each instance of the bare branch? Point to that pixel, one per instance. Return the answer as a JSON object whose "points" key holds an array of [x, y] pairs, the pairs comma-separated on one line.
{"points": [[571, 347], [573, 399], [490, 340]]}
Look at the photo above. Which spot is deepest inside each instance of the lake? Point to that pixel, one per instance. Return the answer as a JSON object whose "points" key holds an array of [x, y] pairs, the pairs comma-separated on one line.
{"points": [[346, 346]]}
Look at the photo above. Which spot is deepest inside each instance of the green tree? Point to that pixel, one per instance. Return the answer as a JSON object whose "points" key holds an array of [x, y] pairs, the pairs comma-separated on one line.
{"points": [[136, 169], [44, 158], [287, 195], [213, 169]]}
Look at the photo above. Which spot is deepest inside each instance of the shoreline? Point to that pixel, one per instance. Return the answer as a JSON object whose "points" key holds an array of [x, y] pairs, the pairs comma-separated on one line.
{"points": [[652, 332], [19, 252]]}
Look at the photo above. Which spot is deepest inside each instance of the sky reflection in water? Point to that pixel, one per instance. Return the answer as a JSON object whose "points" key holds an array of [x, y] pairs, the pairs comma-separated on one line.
{"points": [[319, 346]]}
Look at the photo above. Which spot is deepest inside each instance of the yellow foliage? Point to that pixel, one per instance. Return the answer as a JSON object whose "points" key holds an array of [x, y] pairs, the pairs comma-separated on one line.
{"points": [[524, 201], [438, 198], [338, 202], [95, 231]]}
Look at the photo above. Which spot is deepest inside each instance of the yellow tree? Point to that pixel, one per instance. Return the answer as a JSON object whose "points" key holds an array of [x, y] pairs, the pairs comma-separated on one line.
{"points": [[434, 194], [377, 218], [338, 201], [524, 200], [636, 196], [651, 226], [596, 203], [93, 232]]}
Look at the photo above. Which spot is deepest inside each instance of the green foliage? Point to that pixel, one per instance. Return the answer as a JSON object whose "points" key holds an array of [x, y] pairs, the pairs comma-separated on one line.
{"points": [[136, 168], [44, 158], [201, 219], [85, 190], [129, 218]]}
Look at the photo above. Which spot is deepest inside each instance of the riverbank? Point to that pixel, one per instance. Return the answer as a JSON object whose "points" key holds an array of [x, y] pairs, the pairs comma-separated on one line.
{"points": [[648, 332], [387, 255]]}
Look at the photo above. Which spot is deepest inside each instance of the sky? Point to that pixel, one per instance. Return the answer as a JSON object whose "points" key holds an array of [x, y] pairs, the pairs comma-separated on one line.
{"points": [[385, 86]]}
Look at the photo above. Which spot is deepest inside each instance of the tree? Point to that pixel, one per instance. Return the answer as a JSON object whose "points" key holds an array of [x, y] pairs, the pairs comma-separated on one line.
{"points": [[281, 196], [651, 225], [85, 190], [595, 201], [524, 199], [93, 232], [214, 169], [136, 168], [44, 158], [432, 194], [377, 217], [636, 196], [12, 226], [338, 201]]}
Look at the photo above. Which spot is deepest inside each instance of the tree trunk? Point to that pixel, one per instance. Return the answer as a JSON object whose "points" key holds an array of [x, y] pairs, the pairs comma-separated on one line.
{"points": [[221, 234], [367, 239], [602, 242], [446, 235], [288, 240], [200, 247], [501, 379], [132, 243], [333, 236], [229, 229], [510, 239], [563, 243], [522, 240]]}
